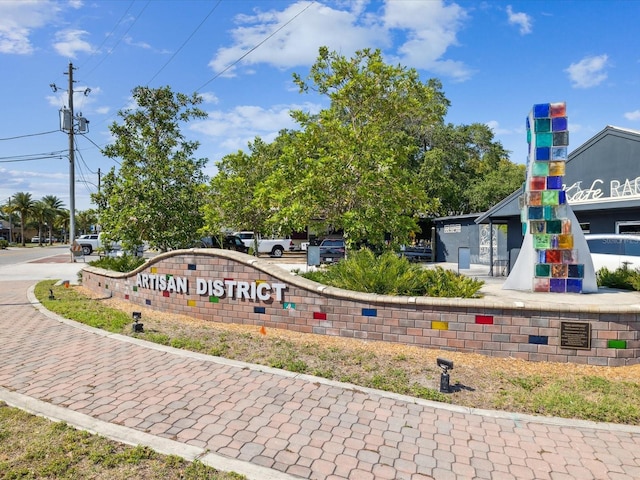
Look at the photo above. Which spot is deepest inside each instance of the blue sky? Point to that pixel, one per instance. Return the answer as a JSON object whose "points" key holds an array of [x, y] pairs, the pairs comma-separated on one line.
{"points": [[495, 60]]}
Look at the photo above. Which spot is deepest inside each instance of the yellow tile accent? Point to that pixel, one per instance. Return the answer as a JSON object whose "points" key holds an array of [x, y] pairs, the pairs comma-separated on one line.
{"points": [[154, 269], [191, 303], [258, 282], [440, 325]]}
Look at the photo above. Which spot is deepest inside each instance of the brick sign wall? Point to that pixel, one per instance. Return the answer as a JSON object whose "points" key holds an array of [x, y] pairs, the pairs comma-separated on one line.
{"points": [[230, 287]]}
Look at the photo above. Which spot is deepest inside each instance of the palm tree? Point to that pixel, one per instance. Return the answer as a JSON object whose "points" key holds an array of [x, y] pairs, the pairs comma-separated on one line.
{"points": [[23, 205], [54, 207], [85, 219], [38, 214], [6, 211], [62, 223]]}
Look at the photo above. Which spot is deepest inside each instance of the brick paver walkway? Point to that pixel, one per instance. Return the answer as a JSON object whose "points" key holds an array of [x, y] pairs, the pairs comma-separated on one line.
{"points": [[303, 426]]}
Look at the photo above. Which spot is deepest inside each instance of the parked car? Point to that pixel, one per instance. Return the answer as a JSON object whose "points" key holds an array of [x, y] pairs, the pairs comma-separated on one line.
{"points": [[614, 251], [229, 242], [36, 239], [273, 246], [332, 250]]}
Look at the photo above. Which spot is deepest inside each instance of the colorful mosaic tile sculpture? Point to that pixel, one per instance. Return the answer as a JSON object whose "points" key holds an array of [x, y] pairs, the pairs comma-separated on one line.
{"points": [[549, 251]]}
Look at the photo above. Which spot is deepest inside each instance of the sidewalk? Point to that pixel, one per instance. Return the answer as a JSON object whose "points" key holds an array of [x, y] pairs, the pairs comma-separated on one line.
{"points": [[272, 424]]}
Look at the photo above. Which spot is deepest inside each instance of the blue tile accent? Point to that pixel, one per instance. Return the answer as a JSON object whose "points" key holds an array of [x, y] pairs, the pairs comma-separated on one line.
{"points": [[147, 301], [258, 310], [191, 266], [539, 339], [369, 312]]}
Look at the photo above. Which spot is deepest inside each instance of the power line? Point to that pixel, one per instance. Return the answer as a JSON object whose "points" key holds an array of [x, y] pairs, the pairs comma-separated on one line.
{"points": [[29, 135], [185, 42], [256, 46], [32, 159]]}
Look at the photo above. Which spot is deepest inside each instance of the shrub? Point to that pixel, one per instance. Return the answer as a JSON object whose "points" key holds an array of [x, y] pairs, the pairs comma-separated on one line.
{"points": [[126, 263], [388, 274], [3, 244], [623, 278]]}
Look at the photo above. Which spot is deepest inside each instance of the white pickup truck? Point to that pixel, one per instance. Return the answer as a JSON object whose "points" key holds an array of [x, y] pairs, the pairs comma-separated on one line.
{"points": [[273, 246]]}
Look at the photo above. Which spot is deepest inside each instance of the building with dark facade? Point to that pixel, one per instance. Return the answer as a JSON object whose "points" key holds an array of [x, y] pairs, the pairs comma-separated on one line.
{"points": [[602, 184]]}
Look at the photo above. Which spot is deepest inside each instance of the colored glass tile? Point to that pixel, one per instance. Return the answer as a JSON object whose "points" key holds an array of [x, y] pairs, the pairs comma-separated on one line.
{"points": [[554, 226], [191, 303], [369, 312], [527, 123], [538, 183], [436, 325], [539, 339], [560, 139], [558, 109], [556, 168], [259, 310], [554, 242], [484, 319], [565, 242], [540, 284], [559, 124], [538, 226], [535, 213], [213, 299], [550, 197], [542, 125], [534, 198], [524, 228], [554, 183], [566, 227], [135, 288], [154, 269], [553, 256], [558, 270], [147, 302], [319, 316], [560, 211], [574, 285], [576, 270], [540, 169], [528, 134], [559, 153], [544, 140], [541, 241], [543, 270], [569, 256], [541, 110], [166, 294], [558, 285], [541, 256], [289, 306], [549, 212], [543, 153], [617, 344], [191, 266], [562, 197]]}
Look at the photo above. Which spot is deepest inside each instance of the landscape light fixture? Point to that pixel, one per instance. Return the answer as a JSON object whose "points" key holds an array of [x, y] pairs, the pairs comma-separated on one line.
{"points": [[51, 297], [445, 365], [137, 326]]}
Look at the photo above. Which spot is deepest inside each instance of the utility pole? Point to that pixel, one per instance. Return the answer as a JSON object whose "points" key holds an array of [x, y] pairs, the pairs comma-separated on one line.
{"points": [[68, 124], [72, 166]]}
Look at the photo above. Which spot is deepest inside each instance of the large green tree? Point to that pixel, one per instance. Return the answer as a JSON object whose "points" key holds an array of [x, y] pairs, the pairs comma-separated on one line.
{"points": [[157, 193], [465, 168], [349, 167]]}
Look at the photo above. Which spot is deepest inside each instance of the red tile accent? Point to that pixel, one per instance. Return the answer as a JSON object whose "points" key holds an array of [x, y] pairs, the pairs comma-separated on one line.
{"points": [[319, 316], [484, 319]]}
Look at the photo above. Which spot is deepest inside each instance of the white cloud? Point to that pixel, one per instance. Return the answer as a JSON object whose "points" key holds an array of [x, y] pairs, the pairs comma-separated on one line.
{"points": [[298, 42], [588, 72], [18, 18], [497, 130], [521, 19], [430, 28], [427, 29], [69, 42], [208, 97], [633, 116], [233, 129]]}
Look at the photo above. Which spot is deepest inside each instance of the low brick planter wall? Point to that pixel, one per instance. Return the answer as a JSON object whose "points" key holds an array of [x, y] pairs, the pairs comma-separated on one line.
{"points": [[230, 287]]}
